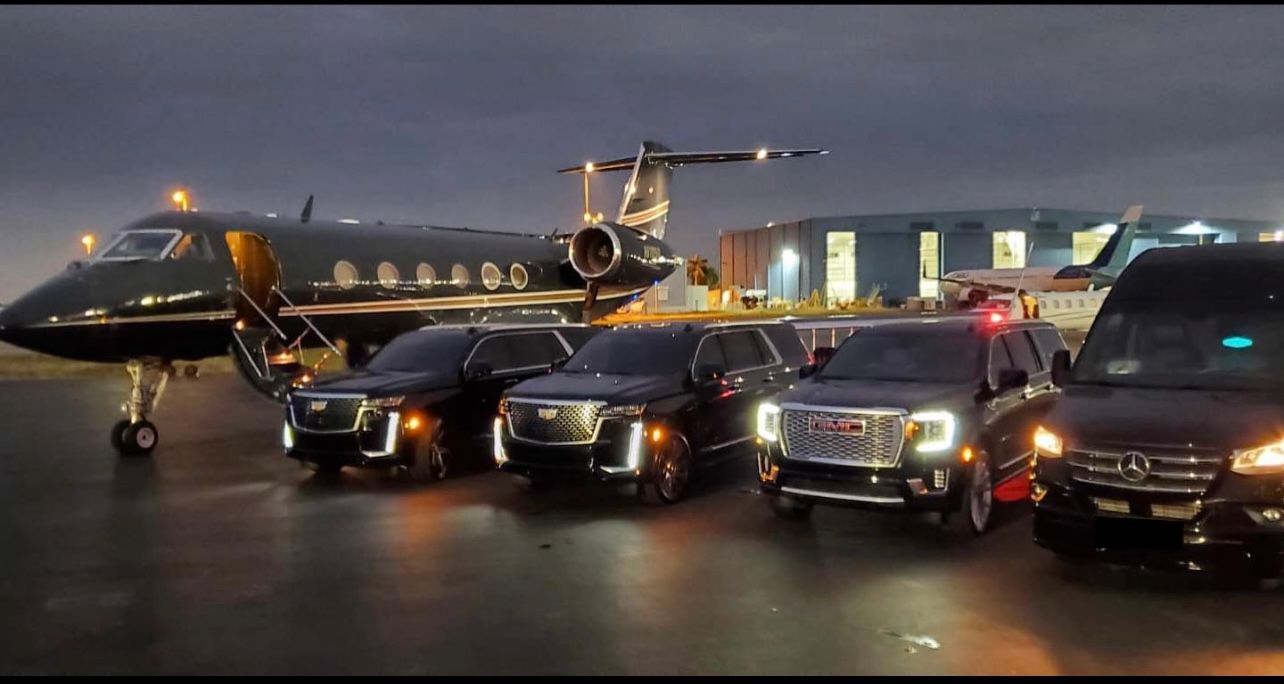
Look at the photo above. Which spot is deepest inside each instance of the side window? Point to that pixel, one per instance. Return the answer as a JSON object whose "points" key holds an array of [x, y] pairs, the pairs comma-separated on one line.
{"points": [[1049, 342], [576, 337], [741, 350], [765, 355], [1022, 351], [534, 349], [999, 359], [192, 246], [711, 353], [788, 343], [493, 351]]}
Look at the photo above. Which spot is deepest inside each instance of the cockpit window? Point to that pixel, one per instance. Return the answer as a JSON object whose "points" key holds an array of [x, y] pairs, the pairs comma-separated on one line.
{"points": [[140, 244], [193, 246]]}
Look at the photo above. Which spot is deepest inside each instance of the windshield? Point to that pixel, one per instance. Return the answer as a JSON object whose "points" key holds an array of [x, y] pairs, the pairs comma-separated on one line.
{"points": [[1186, 344], [919, 353], [140, 244], [635, 352], [422, 351]]}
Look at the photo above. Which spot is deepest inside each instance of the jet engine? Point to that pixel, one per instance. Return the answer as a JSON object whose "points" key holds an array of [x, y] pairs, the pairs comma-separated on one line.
{"points": [[611, 254]]}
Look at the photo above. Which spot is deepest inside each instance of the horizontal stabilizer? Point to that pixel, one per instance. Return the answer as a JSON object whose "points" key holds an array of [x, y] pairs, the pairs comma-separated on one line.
{"points": [[675, 159]]}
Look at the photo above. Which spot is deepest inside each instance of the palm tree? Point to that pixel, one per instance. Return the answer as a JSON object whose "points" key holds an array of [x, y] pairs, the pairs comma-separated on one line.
{"points": [[697, 270]]}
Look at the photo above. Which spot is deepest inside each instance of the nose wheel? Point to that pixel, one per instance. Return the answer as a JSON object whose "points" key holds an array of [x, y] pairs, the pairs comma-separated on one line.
{"points": [[137, 436]]}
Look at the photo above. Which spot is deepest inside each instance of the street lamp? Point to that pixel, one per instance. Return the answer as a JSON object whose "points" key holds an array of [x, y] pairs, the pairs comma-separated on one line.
{"points": [[88, 240], [180, 199]]}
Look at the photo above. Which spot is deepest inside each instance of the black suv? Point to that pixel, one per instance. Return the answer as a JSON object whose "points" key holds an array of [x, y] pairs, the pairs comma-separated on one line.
{"points": [[427, 395], [647, 403], [1167, 447], [930, 415]]}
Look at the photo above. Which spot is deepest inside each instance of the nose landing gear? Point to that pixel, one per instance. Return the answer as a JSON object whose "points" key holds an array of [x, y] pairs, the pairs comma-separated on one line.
{"points": [[136, 436]]}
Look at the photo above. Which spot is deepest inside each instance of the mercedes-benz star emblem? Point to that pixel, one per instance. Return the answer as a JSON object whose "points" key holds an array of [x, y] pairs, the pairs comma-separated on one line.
{"points": [[1134, 466]]}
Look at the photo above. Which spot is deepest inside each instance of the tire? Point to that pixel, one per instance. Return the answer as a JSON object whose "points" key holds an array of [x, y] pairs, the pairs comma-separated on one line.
{"points": [[118, 436], [430, 457], [977, 512], [139, 439], [671, 470], [790, 508]]}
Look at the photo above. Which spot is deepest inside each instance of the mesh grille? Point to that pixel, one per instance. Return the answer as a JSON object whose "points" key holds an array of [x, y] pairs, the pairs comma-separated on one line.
{"points": [[808, 435], [321, 414], [553, 423], [1170, 472]]}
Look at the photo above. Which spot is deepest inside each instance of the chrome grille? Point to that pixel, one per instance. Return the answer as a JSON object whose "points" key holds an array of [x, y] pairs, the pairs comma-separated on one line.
{"points": [[1171, 472], [877, 446], [324, 414], [551, 423]]}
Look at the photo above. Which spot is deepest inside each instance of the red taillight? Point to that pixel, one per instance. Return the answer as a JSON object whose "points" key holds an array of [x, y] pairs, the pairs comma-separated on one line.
{"points": [[996, 317]]}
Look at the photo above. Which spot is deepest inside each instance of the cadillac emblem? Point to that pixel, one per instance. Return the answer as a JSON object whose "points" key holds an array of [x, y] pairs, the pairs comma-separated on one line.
{"points": [[547, 413], [317, 406]]}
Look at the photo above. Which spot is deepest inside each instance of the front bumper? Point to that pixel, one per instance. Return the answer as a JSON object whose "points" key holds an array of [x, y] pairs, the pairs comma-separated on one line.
{"points": [[918, 482], [369, 447], [621, 452], [1228, 527]]}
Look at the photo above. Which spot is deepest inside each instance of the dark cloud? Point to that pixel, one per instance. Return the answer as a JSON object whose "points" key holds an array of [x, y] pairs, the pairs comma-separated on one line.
{"points": [[458, 115]]}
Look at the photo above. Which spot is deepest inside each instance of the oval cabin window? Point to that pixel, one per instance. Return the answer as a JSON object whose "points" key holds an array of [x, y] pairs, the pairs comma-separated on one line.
{"points": [[345, 275], [490, 275], [426, 275], [459, 275], [388, 275], [517, 273]]}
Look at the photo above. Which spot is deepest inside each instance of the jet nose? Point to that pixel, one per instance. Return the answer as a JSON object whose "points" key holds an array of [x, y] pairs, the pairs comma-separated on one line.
{"points": [[38, 320]]}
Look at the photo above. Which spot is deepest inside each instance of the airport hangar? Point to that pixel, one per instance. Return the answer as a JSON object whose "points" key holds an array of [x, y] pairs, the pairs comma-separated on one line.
{"points": [[843, 257]]}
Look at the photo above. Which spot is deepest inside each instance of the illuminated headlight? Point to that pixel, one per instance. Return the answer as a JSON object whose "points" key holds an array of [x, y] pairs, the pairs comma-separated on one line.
{"points": [[287, 435], [1267, 460], [635, 446], [392, 430], [769, 421], [934, 430], [626, 411], [497, 443], [382, 402], [1047, 444]]}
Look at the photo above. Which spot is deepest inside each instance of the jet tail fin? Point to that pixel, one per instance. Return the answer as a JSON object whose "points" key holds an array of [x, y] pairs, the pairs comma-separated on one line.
{"points": [[1114, 254], [645, 205]]}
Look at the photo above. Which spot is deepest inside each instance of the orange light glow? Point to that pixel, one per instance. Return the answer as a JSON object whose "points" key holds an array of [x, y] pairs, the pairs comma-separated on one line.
{"points": [[657, 434], [968, 455], [911, 429], [180, 199], [88, 241], [412, 424], [240, 325]]}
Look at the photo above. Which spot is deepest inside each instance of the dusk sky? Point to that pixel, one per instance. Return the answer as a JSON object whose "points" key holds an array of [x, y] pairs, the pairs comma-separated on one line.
{"points": [[459, 116]]}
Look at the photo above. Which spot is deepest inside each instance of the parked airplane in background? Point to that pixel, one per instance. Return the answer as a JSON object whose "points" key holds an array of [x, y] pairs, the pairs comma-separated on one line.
{"points": [[188, 285], [976, 285]]}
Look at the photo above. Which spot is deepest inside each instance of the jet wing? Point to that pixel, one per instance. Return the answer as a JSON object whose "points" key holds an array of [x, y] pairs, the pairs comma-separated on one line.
{"points": [[681, 158]]}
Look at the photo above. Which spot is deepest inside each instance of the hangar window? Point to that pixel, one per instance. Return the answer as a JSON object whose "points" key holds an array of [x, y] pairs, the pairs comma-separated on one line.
{"points": [[388, 275], [929, 264], [517, 273], [1009, 249], [459, 275], [491, 277], [345, 275], [840, 266], [426, 275], [1087, 244]]}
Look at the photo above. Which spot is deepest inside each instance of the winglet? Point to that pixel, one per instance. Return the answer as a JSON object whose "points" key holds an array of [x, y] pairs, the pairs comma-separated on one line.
{"points": [[307, 211]]}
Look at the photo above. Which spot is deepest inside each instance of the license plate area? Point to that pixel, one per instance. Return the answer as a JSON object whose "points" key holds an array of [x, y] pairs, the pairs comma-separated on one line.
{"points": [[1136, 533]]}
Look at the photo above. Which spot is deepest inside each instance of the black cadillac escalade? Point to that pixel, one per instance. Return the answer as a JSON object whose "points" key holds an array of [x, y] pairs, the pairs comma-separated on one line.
{"points": [[423, 400], [931, 415], [647, 403], [1167, 448]]}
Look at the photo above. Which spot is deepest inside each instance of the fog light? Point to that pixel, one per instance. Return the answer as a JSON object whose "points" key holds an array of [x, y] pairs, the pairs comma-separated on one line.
{"points": [[1273, 514], [939, 478]]}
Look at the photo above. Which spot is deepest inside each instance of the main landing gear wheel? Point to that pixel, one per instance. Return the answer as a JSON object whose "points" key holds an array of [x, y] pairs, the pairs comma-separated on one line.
{"points": [[134, 439], [671, 470]]}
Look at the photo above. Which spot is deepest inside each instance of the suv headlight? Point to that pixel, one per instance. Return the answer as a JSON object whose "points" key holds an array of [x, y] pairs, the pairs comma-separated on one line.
{"points": [[1266, 460], [503, 406], [624, 411], [1047, 444], [933, 430], [769, 421], [382, 402]]}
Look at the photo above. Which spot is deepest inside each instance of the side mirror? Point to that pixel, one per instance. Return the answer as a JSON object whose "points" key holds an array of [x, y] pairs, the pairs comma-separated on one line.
{"points": [[558, 363], [1061, 367], [822, 355], [709, 371], [808, 370], [1011, 378], [477, 371]]}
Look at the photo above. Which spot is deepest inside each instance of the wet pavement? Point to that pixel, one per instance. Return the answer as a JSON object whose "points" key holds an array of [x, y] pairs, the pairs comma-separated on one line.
{"points": [[217, 555]]}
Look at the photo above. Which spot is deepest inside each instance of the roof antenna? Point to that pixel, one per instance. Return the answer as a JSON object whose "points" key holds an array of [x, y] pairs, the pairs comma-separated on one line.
{"points": [[307, 211]]}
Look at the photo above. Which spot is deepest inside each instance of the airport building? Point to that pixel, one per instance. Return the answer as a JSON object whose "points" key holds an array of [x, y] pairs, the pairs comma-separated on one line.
{"points": [[844, 257]]}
